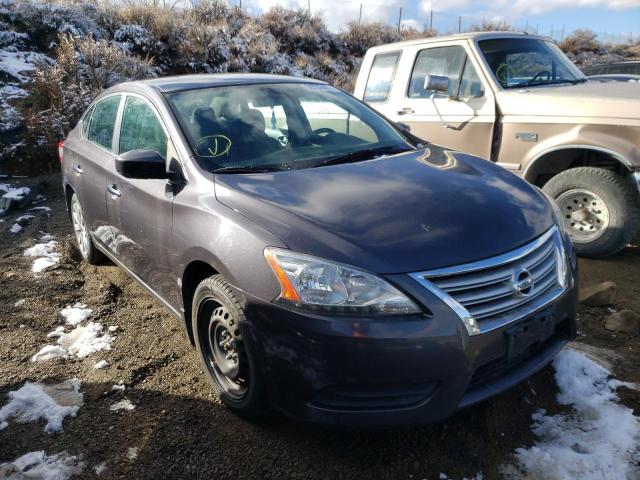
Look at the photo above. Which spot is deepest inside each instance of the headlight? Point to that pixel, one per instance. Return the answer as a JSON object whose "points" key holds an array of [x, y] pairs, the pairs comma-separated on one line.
{"points": [[322, 286], [557, 214], [562, 243]]}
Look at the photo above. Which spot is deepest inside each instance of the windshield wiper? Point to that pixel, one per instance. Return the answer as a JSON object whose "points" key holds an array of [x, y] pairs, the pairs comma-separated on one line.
{"points": [[366, 154], [555, 82], [252, 169]]}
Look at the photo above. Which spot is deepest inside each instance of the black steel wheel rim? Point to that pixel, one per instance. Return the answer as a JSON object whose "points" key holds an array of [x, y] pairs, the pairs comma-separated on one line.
{"points": [[223, 350]]}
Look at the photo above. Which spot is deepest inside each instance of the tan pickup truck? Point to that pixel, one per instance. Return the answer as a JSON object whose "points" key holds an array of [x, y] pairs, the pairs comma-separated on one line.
{"points": [[517, 100]]}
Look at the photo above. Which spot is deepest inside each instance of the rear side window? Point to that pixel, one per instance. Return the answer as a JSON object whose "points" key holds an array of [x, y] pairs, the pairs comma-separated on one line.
{"points": [[442, 61], [383, 70], [103, 121], [141, 129]]}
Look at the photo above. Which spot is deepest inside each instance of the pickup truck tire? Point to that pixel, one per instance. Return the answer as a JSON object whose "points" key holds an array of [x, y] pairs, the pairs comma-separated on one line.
{"points": [[86, 247], [218, 322], [600, 209]]}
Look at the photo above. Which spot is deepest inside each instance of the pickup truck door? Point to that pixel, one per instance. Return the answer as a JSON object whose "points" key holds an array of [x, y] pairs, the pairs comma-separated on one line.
{"points": [[462, 119]]}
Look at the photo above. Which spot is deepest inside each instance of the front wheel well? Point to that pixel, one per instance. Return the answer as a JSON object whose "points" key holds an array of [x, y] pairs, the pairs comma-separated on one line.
{"points": [[550, 164], [193, 275]]}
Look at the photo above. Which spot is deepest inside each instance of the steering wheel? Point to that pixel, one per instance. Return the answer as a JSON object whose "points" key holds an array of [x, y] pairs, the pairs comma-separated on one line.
{"points": [[318, 133]]}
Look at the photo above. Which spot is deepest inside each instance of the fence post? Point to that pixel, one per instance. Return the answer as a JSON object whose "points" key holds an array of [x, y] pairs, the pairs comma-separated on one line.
{"points": [[399, 19], [360, 16], [459, 23]]}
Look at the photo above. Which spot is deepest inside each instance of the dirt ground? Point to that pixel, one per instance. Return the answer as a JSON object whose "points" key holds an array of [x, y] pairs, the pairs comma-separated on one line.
{"points": [[179, 428]]}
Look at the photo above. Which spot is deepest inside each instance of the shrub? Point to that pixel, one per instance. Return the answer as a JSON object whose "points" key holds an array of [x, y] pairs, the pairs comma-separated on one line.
{"points": [[581, 40], [59, 93]]}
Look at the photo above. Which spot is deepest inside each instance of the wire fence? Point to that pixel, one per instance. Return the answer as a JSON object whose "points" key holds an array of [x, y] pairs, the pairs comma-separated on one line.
{"points": [[396, 14]]}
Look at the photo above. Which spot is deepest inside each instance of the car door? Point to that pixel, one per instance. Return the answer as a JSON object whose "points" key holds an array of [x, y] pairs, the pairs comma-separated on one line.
{"points": [[140, 210], [92, 158], [463, 118]]}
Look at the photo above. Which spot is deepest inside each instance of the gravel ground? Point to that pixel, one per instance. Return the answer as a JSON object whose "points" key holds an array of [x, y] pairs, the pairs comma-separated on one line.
{"points": [[179, 430]]}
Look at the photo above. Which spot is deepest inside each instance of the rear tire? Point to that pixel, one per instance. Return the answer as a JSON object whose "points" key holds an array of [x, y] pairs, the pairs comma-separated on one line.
{"points": [[86, 247], [600, 209], [224, 348]]}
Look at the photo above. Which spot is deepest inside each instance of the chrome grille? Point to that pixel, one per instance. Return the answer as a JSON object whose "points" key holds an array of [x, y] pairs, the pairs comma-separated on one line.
{"points": [[488, 294]]}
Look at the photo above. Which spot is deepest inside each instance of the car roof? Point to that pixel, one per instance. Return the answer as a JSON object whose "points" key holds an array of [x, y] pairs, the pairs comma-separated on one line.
{"points": [[178, 83], [459, 36]]}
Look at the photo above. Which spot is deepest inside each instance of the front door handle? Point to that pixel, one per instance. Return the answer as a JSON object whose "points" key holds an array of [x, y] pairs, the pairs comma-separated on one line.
{"points": [[113, 190], [406, 111], [77, 169]]}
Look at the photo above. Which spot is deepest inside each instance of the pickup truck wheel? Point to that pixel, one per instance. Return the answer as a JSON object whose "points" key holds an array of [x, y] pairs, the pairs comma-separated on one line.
{"points": [[86, 247], [600, 209], [218, 320]]}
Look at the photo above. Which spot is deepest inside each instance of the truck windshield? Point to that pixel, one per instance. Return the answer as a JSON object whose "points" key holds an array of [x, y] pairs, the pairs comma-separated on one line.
{"points": [[526, 62], [270, 127]]}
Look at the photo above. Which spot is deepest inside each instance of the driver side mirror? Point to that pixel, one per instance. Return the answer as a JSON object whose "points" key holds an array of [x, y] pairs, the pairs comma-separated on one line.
{"points": [[436, 83], [403, 126], [142, 164]]}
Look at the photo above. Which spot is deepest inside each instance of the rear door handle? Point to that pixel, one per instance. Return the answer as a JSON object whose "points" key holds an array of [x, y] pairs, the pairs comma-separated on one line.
{"points": [[113, 190], [406, 111], [77, 169]]}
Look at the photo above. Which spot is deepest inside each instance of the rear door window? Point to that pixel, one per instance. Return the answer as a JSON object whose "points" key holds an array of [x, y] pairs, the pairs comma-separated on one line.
{"points": [[441, 61], [103, 121], [383, 71], [141, 128]]}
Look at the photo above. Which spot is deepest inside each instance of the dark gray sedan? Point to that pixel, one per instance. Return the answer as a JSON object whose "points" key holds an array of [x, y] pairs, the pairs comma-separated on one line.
{"points": [[323, 260]]}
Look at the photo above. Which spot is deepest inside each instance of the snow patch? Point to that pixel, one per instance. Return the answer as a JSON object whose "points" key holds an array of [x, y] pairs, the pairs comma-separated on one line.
{"points": [[49, 352], [76, 313], [45, 254], [80, 342], [132, 453], [100, 468], [102, 364], [122, 405], [598, 440], [39, 465], [20, 302], [34, 401], [15, 228]]}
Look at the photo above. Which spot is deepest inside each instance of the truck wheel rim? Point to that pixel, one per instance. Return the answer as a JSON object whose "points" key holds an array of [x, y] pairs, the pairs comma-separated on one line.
{"points": [[225, 354], [80, 228], [585, 214]]}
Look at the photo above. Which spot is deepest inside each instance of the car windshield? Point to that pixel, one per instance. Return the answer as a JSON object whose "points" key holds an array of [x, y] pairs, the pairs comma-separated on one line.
{"points": [[524, 62], [280, 126]]}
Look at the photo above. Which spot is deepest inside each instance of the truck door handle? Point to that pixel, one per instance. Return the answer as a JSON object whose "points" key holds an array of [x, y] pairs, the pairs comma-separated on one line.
{"points": [[406, 111], [77, 169], [113, 190]]}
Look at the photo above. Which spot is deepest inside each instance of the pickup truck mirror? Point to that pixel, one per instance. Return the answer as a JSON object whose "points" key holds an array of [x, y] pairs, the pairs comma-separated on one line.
{"points": [[436, 83], [141, 164]]}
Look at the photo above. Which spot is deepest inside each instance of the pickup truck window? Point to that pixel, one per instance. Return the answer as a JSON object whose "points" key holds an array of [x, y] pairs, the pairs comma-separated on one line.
{"points": [[528, 62], [442, 61], [383, 70]]}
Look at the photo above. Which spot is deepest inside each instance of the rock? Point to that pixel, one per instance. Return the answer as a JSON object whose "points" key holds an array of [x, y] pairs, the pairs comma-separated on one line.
{"points": [[598, 295], [625, 321]]}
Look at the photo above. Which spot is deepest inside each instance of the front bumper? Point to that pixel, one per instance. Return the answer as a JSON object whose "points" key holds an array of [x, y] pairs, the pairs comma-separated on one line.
{"points": [[393, 371]]}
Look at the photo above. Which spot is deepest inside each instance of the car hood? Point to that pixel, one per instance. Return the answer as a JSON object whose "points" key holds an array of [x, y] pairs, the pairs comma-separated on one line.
{"points": [[397, 214], [620, 100]]}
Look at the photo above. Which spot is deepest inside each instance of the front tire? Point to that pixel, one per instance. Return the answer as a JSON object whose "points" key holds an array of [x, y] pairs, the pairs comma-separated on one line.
{"points": [[600, 209], [86, 247], [219, 323]]}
